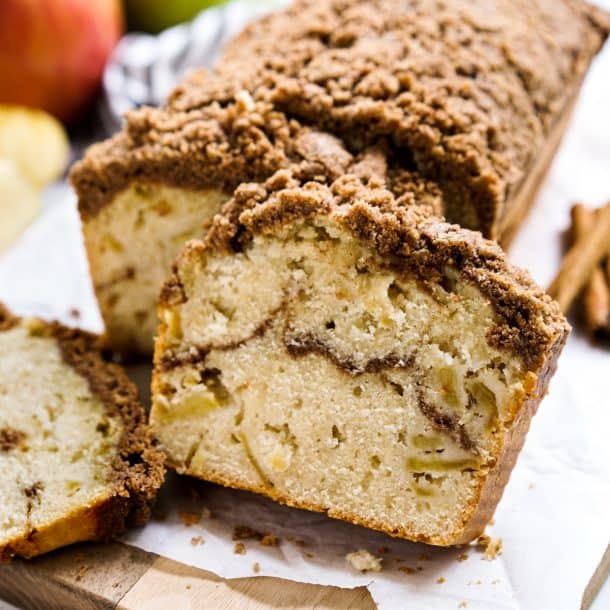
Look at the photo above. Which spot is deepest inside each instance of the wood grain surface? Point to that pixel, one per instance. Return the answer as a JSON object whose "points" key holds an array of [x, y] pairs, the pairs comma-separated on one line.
{"points": [[105, 577]]}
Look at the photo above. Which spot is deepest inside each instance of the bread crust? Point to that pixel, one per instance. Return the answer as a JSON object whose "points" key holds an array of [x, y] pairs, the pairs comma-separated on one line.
{"points": [[138, 468]]}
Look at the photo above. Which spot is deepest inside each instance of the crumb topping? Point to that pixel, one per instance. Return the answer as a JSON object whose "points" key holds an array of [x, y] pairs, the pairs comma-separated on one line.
{"points": [[372, 73], [377, 70]]}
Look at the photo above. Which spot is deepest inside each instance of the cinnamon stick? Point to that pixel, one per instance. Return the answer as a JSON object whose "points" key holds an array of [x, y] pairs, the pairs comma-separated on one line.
{"points": [[596, 293], [583, 257]]}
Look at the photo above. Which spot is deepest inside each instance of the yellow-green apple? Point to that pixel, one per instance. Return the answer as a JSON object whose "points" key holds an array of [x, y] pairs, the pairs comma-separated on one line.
{"points": [[53, 52], [156, 15]]}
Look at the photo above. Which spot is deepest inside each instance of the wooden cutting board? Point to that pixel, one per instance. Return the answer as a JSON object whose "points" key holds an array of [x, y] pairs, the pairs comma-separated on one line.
{"points": [[96, 577]]}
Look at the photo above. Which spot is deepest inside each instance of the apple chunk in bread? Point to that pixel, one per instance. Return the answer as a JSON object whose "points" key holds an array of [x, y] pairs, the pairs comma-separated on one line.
{"points": [[336, 352]]}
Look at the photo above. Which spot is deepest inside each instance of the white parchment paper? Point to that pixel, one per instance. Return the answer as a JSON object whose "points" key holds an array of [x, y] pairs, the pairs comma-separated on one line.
{"points": [[554, 518]]}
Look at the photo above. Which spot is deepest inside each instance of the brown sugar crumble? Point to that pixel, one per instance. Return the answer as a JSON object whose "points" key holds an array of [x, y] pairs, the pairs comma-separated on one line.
{"points": [[197, 540], [10, 439], [239, 548]]}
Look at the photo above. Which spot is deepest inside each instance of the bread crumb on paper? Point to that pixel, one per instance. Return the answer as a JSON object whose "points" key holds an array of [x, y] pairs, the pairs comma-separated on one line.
{"points": [[243, 532], [270, 540], [407, 570], [81, 573], [462, 557], [239, 548], [440, 580], [256, 568], [492, 547], [189, 518], [363, 561], [463, 604], [197, 540]]}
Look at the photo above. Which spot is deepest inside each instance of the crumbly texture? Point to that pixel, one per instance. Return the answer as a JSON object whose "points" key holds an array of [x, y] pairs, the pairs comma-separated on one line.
{"points": [[77, 457], [466, 92], [217, 147], [369, 72], [339, 352]]}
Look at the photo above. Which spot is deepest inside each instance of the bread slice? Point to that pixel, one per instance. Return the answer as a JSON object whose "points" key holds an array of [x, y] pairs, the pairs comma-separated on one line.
{"points": [[147, 191], [76, 456], [340, 352]]}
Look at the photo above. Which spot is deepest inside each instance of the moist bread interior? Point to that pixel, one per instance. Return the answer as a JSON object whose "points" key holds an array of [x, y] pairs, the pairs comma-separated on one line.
{"points": [[308, 368], [57, 443], [132, 245]]}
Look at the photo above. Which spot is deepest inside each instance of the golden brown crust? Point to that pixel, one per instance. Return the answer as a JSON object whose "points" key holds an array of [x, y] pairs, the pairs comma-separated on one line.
{"points": [[138, 468], [493, 487]]}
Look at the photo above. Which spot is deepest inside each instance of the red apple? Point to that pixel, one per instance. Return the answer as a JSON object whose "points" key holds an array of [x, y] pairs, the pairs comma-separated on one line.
{"points": [[53, 52]]}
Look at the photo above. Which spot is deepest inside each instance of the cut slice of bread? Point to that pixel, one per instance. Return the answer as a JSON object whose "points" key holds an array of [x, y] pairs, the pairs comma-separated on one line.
{"points": [[337, 352], [76, 456]]}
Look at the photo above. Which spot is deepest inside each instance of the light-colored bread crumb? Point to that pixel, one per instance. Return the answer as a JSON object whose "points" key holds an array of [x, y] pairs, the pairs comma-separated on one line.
{"points": [[462, 557], [256, 568], [197, 541], [363, 561], [440, 580], [239, 548], [492, 547]]}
